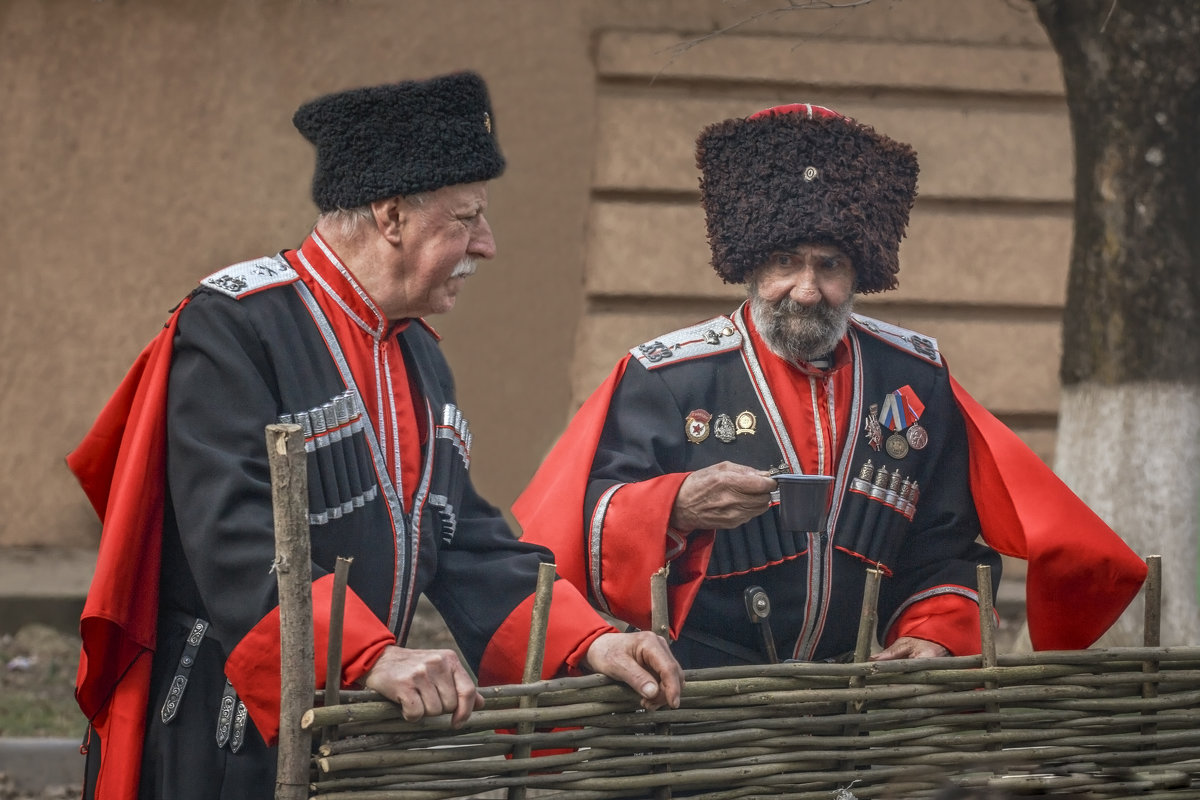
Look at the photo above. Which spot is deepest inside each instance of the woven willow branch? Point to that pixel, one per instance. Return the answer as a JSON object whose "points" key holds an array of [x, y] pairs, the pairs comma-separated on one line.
{"points": [[1094, 721]]}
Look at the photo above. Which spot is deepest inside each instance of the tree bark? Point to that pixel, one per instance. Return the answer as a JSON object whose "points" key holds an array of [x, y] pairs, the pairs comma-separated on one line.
{"points": [[1129, 425]]}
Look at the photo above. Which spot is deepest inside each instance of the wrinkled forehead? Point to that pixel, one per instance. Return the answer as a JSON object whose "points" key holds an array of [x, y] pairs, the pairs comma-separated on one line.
{"points": [[819, 248], [458, 197]]}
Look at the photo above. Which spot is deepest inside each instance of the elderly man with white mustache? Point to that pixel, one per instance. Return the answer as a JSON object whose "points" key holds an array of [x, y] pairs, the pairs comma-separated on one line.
{"points": [[670, 462], [180, 674]]}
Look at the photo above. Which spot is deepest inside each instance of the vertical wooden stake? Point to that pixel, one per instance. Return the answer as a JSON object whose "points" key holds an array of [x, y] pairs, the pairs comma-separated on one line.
{"points": [[333, 662], [1152, 631], [660, 623], [987, 637], [660, 614], [868, 619], [536, 652], [987, 615], [535, 655], [293, 571]]}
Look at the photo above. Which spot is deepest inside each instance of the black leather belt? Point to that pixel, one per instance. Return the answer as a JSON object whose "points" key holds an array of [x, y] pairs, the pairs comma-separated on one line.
{"points": [[740, 652], [231, 722], [186, 659], [232, 715]]}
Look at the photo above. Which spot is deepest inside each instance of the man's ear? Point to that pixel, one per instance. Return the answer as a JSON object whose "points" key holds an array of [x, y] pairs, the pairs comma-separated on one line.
{"points": [[390, 215]]}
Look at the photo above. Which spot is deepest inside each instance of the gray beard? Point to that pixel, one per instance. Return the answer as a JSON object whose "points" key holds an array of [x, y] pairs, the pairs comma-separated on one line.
{"points": [[800, 333]]}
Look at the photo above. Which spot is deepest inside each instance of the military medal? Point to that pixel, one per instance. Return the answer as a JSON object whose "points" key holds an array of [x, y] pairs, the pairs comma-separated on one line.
{"points": [[723, 428], [746, 422], [917, 436], [897, 446], [696, 426], [872, 428], [901, 409]]}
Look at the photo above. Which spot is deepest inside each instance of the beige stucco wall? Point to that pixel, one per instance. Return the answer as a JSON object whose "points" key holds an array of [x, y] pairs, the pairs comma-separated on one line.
{"points": [[145, 144]]}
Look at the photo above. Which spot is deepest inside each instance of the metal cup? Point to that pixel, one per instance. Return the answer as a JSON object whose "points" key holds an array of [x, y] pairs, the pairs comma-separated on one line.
{"points": [[804, 501]]}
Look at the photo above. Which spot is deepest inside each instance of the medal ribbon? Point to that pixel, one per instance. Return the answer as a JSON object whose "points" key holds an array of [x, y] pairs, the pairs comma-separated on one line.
{"points": [[901, 408]]}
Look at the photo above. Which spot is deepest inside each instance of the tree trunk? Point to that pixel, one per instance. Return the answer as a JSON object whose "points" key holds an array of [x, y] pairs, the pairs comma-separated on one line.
{"points": [[1129, 425]]}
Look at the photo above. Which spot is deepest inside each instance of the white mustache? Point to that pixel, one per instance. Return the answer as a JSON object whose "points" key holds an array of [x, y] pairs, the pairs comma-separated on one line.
{"points": [[465, 268]]}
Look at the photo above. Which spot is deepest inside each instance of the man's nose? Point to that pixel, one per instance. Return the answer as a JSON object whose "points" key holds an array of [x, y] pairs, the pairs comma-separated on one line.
{"points": [[804, 288], [483, 244]]}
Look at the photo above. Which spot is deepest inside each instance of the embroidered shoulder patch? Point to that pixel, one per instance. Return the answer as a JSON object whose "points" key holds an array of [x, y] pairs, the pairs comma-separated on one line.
{"points": [[921, 346], [717, 335], [247, 277]]}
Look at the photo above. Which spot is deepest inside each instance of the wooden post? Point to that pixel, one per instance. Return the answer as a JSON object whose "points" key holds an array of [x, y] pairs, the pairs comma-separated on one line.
{"points": [[660, 613], [660, 623], [987, 637], [868, 620], [987, 614], [535, 655], [333, 661], [1151, 631], [293, 571]]}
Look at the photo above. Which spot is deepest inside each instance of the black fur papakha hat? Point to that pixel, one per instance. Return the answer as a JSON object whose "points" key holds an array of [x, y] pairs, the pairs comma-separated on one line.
{"points": [[804, 173], [400, 139]]}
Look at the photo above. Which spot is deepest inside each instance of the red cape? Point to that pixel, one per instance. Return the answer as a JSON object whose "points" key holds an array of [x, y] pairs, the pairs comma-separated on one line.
{"points": [[120, 464], [1081, 574]]}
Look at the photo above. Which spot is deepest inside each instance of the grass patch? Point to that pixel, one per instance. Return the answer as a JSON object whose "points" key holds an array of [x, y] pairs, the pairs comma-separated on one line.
{"points": [[37, 683]]}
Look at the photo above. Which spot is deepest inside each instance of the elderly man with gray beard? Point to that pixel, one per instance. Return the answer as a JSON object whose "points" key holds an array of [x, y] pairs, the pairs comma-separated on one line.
{"points": [[671, 461]]}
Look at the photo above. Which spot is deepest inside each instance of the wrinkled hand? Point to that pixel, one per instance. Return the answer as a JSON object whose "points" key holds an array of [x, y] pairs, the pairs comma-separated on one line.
{"points": [[643, 661], [910, 647], [721, 497], [425, 683]]}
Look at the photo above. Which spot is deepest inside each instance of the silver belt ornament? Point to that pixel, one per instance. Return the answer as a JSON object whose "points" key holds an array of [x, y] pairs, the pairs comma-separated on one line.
{"points": [[179, 683], [231, 721]]}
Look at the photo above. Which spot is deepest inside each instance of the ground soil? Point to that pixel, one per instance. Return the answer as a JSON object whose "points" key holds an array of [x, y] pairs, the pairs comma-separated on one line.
{"points": [[37, 675], [36, 684], [8, 791]]}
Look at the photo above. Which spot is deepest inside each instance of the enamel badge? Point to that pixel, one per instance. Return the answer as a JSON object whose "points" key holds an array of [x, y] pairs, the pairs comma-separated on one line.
{"points": [[696, 426], [746, 422]]}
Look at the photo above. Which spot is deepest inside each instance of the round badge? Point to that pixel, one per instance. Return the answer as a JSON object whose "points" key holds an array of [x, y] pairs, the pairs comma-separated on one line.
{"points": [[917, 436], [897, 446], [695, 427]]}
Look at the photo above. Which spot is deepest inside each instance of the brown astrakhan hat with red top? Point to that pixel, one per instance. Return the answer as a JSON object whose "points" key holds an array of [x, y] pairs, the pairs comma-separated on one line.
{"points": [[803, 173]]}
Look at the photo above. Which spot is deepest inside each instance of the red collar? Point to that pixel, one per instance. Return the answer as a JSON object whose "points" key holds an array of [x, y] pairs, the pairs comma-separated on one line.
{"points": [[325, 274]]}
